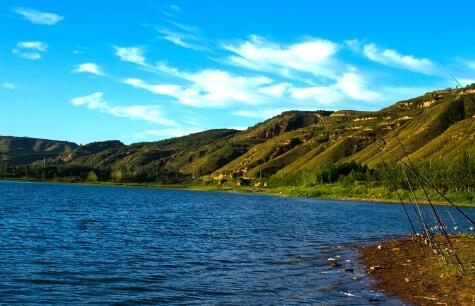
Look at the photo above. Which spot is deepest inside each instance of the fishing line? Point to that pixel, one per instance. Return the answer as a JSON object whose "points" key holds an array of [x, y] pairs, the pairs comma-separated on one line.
{"points": [[439, 220]]}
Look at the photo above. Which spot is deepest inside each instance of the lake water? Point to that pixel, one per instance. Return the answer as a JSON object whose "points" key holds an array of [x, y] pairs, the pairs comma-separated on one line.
{"points": [[73, 244]]}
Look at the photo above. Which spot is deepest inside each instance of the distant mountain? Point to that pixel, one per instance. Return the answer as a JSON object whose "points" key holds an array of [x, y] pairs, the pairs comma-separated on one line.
{"points": [[25, 150], [439, 125]]}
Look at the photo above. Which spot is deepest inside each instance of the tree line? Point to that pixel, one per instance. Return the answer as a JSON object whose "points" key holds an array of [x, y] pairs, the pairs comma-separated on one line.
{"points": [[455, 176], [87, 173]]}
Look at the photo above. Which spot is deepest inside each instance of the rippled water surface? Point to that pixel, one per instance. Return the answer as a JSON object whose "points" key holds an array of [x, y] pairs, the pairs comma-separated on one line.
{"points": [[71, 244]]}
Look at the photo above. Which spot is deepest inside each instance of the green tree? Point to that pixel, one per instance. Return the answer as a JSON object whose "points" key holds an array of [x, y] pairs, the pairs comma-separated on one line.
{"points": [[92, 177]]}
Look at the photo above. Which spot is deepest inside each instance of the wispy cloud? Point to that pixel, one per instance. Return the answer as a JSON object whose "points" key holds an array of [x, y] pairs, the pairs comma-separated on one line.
{"points": [[349, 86], [27, 55], [172, 10], [209, 88], [314, 56], [322, 95], [149, 113], [219, 88], [89, 68], [93, 101], [308, 75], [353, 85], [265, 113], [157, 134], [175, 7], [31, 50], [38, 17], [131, 54], [183, 35], [276, 90], [184, 27], [185, 40], [391, 57], [8, 85], [216, 88], [33, 45]]}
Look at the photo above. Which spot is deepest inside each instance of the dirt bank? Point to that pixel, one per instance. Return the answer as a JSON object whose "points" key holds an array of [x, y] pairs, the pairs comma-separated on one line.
{"points": [[400, 269]]}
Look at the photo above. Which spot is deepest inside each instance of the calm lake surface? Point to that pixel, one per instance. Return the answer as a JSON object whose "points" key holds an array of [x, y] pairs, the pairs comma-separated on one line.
{"points": [[73, 244]]}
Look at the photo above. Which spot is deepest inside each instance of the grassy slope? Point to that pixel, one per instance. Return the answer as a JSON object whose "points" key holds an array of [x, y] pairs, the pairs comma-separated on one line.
{"points": [[24, 150], [426, 131], [436, 125]]}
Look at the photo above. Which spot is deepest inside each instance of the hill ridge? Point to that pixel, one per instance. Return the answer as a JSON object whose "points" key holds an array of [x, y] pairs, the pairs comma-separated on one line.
{"points": [[436, 125]]}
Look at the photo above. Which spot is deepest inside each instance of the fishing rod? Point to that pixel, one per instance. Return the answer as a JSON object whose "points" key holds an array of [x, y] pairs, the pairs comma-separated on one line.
{"points": [[437, 216], [425, 225], [418, 212], [397, 191], [435, 189], [456, 81], [430, 239]]}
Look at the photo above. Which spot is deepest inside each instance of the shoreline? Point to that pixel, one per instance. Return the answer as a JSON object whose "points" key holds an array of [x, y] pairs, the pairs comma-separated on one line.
{"points": [[400, 269], [249, 190]]}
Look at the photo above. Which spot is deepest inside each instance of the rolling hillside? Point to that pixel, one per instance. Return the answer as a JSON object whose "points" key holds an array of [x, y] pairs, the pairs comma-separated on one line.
{"points": [[439, 125], [24, 150]]}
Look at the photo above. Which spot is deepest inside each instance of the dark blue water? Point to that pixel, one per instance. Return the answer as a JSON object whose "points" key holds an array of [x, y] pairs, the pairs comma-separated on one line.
{"points": [[71, 244]]}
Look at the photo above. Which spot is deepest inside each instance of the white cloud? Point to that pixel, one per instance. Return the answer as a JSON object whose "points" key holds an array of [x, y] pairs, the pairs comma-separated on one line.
{"points": [[276, 90], [131, 54], [328, 82], [352, 85], [210, 88], [33, 45], [149, 113], [239, 128], [93, 101], [466, 81], [349, 86], [27, 55], [38, 17], [393, 58], [161, 67], [31, 50], [141, 112], [167, 90], [221, 86], [8, 85], [218, 88], [260, 113], [323, 95], [314, 56], [165, 133], [89, 68]]}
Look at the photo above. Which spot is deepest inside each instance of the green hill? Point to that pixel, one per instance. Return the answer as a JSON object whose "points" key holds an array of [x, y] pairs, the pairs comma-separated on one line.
{"points": [[25, 150], [439, 125]]}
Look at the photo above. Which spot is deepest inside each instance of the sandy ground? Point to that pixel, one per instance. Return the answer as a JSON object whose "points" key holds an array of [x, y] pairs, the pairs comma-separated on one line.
{"points": [[400, 269]]}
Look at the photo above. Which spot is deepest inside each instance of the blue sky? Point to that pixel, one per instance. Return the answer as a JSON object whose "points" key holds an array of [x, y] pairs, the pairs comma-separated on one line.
{"points": [[146, 70]]}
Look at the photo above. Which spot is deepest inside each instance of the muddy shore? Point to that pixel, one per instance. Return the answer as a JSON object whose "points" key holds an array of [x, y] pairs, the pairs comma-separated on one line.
{"points": [[399, 268]]}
